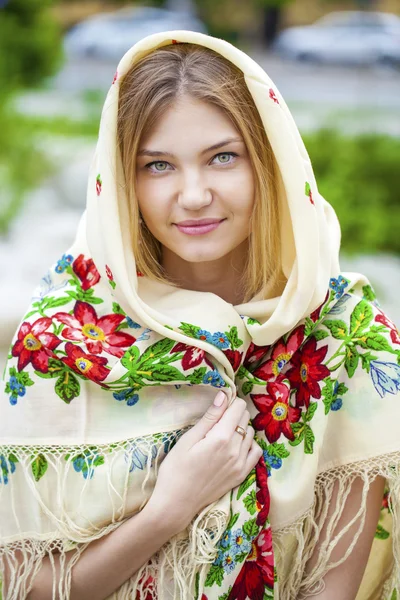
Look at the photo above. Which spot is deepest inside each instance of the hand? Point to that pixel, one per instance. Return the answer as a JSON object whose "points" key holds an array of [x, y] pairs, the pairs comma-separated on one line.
{"points": [[208, 461]]}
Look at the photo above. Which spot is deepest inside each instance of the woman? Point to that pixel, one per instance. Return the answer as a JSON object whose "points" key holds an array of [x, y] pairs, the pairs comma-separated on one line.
{"points": [[203, 293]]}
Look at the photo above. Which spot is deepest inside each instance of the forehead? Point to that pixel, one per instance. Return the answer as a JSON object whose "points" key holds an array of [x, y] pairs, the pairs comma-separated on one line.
{"points": [[190, 121]]}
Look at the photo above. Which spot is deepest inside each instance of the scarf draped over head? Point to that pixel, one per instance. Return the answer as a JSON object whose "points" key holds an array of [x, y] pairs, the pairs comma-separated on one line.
{"points": [[109, 368]]}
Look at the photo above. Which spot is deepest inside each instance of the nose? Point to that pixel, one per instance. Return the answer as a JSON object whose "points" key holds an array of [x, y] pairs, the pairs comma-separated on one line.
{"points": [[194, 193]]}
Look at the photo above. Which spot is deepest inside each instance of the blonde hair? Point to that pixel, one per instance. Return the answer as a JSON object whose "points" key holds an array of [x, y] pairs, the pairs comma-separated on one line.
{"points": [[148, 89]]}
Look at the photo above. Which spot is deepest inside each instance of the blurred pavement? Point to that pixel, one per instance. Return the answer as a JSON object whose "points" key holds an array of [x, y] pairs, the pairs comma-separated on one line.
{"points": [[353, 99]]}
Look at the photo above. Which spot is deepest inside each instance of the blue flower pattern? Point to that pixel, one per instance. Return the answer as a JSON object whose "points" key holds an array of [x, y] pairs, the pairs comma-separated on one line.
{"points": [[385, 377], [63, 263], [240, 543], [7, 467], [46, 286], [339, 307], [132, 324], [336, 403], [204, 335], [145, 335], [84, 463], [271, 461], [338, 286], [137, 458], [214, 378], [226, 539], [220, 340], [127, 395], [233, 546], [17, 389], [228, 562]]}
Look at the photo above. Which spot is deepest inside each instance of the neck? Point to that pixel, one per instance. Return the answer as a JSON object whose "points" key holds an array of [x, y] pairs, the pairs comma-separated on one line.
{"points": [[221, 277]]}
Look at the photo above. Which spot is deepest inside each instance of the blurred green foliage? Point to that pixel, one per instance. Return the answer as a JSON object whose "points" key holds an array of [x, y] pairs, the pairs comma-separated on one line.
{"points": [[30, 48], [22, 164], [360, 177], [235, 20], [30, 51]]}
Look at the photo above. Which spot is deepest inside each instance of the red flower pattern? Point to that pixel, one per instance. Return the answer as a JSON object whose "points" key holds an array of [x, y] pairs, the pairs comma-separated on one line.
{"points": [[307, 371], [257, 571], [98, 184], [272, 95], [193, 356], [109, 273], [275, 413], [281, 355], [316, 313], [262, 495], [309, 192], [385, 501], [88, 365], [99, 335], [394, 333], [254, 354], [35, 345], [234, 357], [115, 77], [86, 271]]}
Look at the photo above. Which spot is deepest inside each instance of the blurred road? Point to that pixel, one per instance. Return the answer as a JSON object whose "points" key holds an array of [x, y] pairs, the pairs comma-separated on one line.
{"points": [[298, 82], [352, 99]]}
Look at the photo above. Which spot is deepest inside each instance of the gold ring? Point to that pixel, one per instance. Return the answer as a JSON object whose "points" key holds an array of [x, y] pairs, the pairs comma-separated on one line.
{"points": [[241, 431]]}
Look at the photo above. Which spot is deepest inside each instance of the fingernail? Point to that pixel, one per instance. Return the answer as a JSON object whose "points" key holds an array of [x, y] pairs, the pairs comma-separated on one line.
{"points": [[219, 399]]}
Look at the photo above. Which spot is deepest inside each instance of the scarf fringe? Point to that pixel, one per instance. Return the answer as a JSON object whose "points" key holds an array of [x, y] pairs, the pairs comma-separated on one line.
{"points": [[68, 532], [172, 573], [23, 560], [304, 535]]}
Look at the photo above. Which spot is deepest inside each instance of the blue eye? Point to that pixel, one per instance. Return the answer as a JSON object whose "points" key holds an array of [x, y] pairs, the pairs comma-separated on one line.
{"points": [[224, 157], [156, 164]]}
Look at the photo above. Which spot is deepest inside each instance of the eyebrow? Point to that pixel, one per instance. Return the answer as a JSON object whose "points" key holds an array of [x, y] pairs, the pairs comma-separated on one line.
{"points": [[146, 152]]}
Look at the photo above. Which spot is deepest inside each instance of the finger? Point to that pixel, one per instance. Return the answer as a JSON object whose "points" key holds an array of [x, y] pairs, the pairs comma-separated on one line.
{"points": [[230, 419], [213, 414], [253, 456], [247, 443], [243, 424]]}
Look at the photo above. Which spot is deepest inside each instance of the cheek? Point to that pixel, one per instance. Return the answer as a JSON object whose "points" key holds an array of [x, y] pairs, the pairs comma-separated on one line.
{"points": [[239, 193], [153, 199]]}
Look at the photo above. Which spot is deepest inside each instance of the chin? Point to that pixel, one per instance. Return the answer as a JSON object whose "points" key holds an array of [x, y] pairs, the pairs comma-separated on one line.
{"points": [[207, 255]]}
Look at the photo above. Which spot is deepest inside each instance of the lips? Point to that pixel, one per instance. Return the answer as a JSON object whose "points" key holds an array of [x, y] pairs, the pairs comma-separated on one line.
{"points": [[198, 226], [198, 222]]}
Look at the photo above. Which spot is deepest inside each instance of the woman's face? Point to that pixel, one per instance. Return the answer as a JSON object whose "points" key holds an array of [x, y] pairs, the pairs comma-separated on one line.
{"points": [[195, 184]]}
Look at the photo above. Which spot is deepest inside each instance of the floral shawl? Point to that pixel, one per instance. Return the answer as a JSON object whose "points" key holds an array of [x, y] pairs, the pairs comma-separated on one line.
{"points": [[108, 368]]}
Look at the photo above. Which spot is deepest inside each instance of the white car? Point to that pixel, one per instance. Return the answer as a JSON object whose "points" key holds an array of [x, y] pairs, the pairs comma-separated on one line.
{"points": [[345, 37], [110, 35]]}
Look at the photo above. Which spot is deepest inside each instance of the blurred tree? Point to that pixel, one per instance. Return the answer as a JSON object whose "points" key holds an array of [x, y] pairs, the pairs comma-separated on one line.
{"points": [[230, 19], [30, 51], [30, 45], [271, 11], [360, 177]]}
